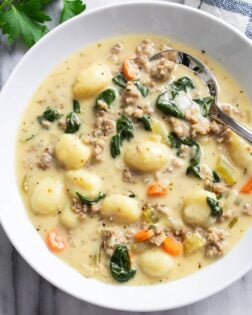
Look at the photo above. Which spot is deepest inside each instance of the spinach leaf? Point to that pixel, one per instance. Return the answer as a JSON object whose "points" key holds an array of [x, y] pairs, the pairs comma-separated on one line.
{"points": [[205, 104], [50, 114], [76, 107], [72, 123], [216, 177], [87, 201], [115, 145], [145, 120], [167, 106], [216, 210], [120, 265], [108, 96], [120, 80], [124, 129], [182, 84], [194, 167], [176, 143], [143, 89]]}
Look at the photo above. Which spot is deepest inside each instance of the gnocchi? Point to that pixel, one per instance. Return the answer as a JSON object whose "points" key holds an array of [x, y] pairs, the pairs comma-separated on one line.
{"points": [[155, 263], [68, 218], [147, 156], [240, 152], [85, 183], [196, 210], [120, 209], [48, 196], [71, 152], [92, 80]]}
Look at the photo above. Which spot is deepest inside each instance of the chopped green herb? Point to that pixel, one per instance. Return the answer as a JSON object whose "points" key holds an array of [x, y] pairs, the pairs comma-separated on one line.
{"points": [[72, 123], [205, 104], [167, 106], [216, 210], [76, 107], [120, 80], [29, 138], [120, 265], [107, 96], [50, 114], [145, 120], [216, 177], [88, 201], [182, 84], [143, 89], [124, 129], [233, 222]]}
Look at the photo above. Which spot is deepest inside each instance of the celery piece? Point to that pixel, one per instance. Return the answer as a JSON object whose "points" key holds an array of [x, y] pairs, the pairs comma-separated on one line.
{"points": [[192, 243], [226, 170]]}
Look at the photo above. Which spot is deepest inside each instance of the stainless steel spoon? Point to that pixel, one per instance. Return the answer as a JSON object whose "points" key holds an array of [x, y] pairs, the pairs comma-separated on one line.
{"points": [[207, 76]]}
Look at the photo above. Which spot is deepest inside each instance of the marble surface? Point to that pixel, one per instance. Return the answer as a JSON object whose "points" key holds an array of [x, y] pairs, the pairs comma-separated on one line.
{"points": [[24, 292]]}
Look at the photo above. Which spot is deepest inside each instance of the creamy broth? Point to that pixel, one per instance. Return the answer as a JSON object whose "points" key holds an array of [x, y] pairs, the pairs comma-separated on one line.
{"points": [[91, 233]]}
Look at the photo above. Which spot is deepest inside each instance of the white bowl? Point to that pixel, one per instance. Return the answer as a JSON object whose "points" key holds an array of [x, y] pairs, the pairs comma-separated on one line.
{"points": [[201, 30]]}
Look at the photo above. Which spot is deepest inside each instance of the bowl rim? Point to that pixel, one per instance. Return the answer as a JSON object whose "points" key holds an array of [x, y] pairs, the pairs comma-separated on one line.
{"points": [[4, 224]]}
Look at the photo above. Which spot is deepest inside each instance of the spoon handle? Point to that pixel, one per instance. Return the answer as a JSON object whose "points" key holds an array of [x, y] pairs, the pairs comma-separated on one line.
{"points": [[234, 125]]}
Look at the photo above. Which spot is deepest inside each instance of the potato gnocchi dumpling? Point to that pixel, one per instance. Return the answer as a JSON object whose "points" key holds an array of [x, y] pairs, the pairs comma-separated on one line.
{"points": [[84, 182], [68, 218], [92, 80], [120, 209], [48, 196], [147, 156], [71, 152], [155, 263], [196, 210], [240, 152]]}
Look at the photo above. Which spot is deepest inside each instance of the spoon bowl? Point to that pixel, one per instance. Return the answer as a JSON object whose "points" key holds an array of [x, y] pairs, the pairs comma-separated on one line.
{"points": [[209, 79]]}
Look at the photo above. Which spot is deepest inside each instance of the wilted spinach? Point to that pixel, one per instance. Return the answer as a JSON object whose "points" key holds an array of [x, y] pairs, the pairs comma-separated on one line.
{"points": [[120, 80], [205, 104], [108, 96], [216, 177], [50, 114], [120, 265], [88, 201], [216, 209], [72, 123], [76, 107], [176, 143], [182, 84], [145, 121], [167, 106], [124, 129]]}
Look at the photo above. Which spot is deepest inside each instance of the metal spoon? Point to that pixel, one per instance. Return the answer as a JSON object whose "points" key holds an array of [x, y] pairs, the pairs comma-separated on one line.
{"points": [[207, 76]]}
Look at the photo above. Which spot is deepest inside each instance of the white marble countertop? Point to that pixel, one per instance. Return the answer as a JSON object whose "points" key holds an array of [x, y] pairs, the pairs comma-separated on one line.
{"points": [[24, 292]]}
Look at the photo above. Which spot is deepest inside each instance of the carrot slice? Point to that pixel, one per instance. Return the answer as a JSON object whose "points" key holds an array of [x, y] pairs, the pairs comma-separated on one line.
{"points": [[130, 70], [172, 246], [156, 190], [55, 242], [144, 235], [247, 188]]}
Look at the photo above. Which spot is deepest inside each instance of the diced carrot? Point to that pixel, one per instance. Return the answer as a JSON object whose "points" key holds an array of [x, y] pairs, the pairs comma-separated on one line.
{"points": [[247, 188], [144, 235], [54, 241], [130, 70], [156, 190], [172, 246]]}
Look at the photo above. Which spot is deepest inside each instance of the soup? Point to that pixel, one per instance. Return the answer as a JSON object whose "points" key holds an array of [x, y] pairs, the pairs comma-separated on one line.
{"points": [[121, 170]]}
